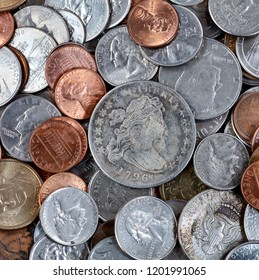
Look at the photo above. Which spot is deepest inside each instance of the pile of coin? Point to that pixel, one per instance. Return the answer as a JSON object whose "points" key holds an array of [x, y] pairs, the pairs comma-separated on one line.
{"points": [[129, 129]]}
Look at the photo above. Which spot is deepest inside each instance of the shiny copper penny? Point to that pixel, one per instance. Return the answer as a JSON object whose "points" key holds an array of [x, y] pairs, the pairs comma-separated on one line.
{"points": [[246, 115], [60, 180], [55, 146], [153, 23], [6, 27], [250, 184], [255, 140], [78, 91], [6, 5], [66, 57]]}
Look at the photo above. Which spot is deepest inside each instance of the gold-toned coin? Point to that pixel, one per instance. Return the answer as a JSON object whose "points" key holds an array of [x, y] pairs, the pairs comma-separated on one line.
{"points": [[6, 5], [185, 186], [19, 190]]}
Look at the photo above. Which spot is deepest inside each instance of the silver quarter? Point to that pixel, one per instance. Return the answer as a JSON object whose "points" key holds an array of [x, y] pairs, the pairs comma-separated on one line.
{"points": [[238, 18], [46, 249], [36, 45], [145, 228], [142, 134], [119, 59], [251, 223], [69, 216], [220, 161], [10, 75], [119, 10], [185, 45], [111, 196], [45, 19], [94, 13], [204, 81], [19, 120], [211, 224], [245, 251], [108, 249], [187, 2]]}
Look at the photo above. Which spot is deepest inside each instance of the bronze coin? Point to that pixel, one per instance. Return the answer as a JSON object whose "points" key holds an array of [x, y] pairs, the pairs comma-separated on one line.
{"points": [[153, 23], [60, 180], [66, 57], [6, 27], [255, 140], [254, 157], [6, 5], [246, 115], [55, 146], [250, 185], [78, 91]]}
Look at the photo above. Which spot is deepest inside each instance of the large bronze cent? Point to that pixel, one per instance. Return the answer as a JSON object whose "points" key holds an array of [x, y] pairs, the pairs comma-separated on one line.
{"points": [[6, 5]]}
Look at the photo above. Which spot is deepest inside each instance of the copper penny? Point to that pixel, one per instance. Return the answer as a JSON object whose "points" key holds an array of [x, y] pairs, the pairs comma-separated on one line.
{"points": [[55, 146], [250, 184], [246, 115], [254, 157], [60, 180], [153, 23], [6, 27], [255, 140], [78, 91], [66, 57], [6, 5]]}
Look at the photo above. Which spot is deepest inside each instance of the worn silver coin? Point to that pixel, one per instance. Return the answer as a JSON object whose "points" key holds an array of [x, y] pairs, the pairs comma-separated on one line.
{"points": [[246, 251], [187, 2], [220, 161], [38, 232], [145, 228], [142, 134], [119, 59], [177, 206], [251, 223], [119, 10]]}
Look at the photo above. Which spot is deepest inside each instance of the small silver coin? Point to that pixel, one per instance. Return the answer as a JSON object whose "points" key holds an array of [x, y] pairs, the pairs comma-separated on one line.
{"points": [[177, 253], [187, 2], [251, 223], [220, 161], [38, 232], [69, 216], [245, 251], [145, 228]]}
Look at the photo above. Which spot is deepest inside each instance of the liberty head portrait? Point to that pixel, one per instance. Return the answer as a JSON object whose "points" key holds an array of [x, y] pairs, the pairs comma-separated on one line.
{"points": [[139, 135]]}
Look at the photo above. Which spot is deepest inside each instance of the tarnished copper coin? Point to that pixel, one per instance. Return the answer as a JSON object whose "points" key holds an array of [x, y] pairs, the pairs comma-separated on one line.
{"points": [[60, 180], [6, 5], [66, 57], [250, 185], [55, 146], [153, 23], [255, 140], [78, 91], [6, 27], [246, 115], [255, 156]]}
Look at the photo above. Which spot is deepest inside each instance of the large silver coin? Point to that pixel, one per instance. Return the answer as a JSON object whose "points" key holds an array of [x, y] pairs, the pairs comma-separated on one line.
{"points": [[119, 59], [211, 224], [185, 45], [119, 10], [204, 81], [238, 18], [69, 216], [10, 75], [145, 228], [220, 161], [36, 45], [251, 223], [19, 119], [245, 251], [142, 134]]}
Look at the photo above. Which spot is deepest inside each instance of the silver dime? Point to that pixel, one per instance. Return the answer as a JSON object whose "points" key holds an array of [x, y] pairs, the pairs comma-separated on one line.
{"points": [[119, 10], [45, 19], [108, 249], [120, 60], [69, 216], [111, 196], [142, 134], [220, 161], [46, 249], [38, 232], [19, 120], [145, 228], [94, 13], [251, 223], [187, 2], [36, 45], [229, 129], [245, 251], [211, 224], [185, 45], [238, 18], [247, 50], [10, 75], [75, 26], [204, 81]]}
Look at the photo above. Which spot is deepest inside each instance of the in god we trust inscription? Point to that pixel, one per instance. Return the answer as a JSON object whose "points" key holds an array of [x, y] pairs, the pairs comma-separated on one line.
{"points": [[145, 138]]}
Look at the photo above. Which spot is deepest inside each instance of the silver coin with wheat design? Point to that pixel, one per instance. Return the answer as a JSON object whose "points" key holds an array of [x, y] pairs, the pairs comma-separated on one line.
{"points": [[69, 216], [145, 228], [211, 224], [142, 134], [251, 223]]}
